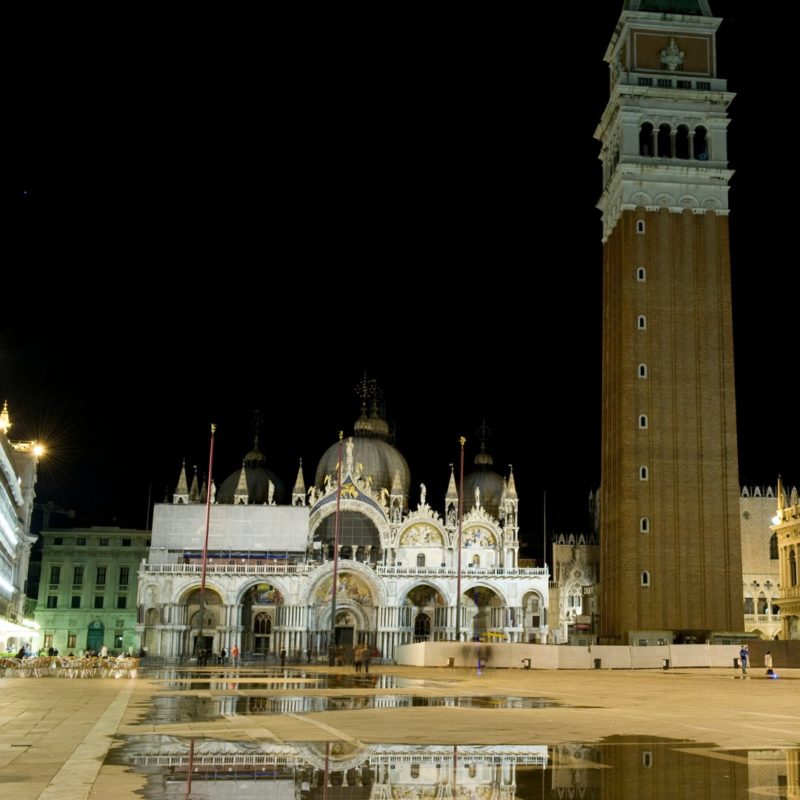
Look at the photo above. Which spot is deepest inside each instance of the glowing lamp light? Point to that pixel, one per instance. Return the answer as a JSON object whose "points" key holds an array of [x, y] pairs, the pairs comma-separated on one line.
{"points": [[38, 449], [776, 519]]}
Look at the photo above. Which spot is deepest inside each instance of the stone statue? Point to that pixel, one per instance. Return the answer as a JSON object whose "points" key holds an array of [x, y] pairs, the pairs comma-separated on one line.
{"points": [[312, 495], [477, 497], [422, 492], [349, 454], [672, 56], [396, 513], [384, 497], [451, 517], [271, 493], [327, 483], [213, 493]]}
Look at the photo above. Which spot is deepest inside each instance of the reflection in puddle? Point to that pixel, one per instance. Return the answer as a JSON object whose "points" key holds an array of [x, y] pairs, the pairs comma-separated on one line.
{"points": [[279, 679], [179, 708], [616, 768]]}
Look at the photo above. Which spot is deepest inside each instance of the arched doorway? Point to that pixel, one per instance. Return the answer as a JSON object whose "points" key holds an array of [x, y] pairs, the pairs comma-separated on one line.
{"points": [[533, 612], [95, 636], [204, 615], [486, 609], [422, 628], [356, 616], [260, 606]]}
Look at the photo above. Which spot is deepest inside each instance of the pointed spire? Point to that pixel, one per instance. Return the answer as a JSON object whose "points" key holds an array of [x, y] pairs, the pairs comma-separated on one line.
{"points": [[194, 492], [5, 420], [512, 486], [397, 485], [452, 491], [241, 495], [300, 483], [203, 496], [781, 496], [183, 486]]}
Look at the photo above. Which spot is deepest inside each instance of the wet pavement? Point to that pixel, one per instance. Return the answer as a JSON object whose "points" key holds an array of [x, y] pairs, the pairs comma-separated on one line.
{"points": [[401, 733]]}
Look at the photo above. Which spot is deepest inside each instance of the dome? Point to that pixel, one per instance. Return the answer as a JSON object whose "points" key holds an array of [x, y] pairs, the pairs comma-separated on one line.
{"points": [[379, 460], [258, 479], [488, 481]]}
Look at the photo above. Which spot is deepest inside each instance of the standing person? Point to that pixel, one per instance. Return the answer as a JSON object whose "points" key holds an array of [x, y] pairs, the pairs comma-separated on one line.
{"points": [[235, 655], [283, 656], [223, 654], [103, 652], [366, 654], [308, 655], [744, 654], [768, 662]]}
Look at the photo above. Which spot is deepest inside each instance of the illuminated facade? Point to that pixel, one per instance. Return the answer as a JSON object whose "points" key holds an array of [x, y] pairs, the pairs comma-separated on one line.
{"points": [[270, 568], [18, 463]]}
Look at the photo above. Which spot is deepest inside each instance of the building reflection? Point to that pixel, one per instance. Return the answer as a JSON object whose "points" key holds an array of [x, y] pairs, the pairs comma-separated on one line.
{"points": [[617, 769]]}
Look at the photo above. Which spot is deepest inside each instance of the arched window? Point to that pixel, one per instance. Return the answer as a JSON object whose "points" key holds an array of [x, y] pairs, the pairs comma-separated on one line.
{"points": [[640, 227], [701, 144], [641, 274], [762, 604], [748, 606], [641, 322], [642, 422], [664, 141], [476, 561], [773, 546], [645, 578], [682, 142], [646, 139], [644, 525], [643, 474], [642, 370], [421, 560], [792, 568]]}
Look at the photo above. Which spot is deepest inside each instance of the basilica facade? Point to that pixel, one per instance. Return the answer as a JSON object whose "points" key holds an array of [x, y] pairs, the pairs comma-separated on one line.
{"points": [[272, 557]]}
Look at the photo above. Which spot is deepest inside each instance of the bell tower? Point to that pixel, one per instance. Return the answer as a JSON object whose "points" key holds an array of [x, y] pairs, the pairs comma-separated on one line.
{"points": [[669, 498]]}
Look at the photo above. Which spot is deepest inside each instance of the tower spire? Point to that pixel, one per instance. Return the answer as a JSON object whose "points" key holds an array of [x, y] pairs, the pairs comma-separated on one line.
{"points": [[194, 492], [241, 496], [182, 489], [299, 491], [5, 420]]}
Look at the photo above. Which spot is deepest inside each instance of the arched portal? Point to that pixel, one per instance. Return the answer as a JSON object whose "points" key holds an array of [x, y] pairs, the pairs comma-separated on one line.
{"points": [[422, 628], [484, 609], [204, 616], [259, 611], [425, 612]]}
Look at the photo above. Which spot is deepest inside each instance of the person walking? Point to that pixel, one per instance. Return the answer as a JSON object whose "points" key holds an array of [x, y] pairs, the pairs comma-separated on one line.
{"points": [[744, 654], [768, 662], [283, 656], [235, 656]]}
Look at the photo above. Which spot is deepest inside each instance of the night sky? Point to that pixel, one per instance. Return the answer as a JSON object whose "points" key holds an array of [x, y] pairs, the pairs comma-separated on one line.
{"points": [[221, 215]]}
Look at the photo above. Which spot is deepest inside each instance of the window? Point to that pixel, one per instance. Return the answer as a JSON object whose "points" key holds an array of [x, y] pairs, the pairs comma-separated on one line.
{"points": [[642, 370], [640, 226], [81, 541], [122, 602], [684, 84], [126, 542], [101, 576], [643, 474], [103, 541], [664, 141], [124, 572], [76, 601], [682, 142], [118, 640], [664, 83], [641, 274], [642, 422], [703, 86], [646, 139], [77, 575], [48, 640], [701, 144], [98, 601], [644, 525], [58, 540], [749, 607], [645, 578], [647, 759], [645, 81], [147, 543], [414, 771], [792, 568], [641, 322], [55, 575], [52, 601], [421, 560], [773, 547], [72, 639]]}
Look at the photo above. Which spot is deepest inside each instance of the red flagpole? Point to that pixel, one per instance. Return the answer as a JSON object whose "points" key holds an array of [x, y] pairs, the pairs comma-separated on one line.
{"points": [[463, 441], [332, 643], [201, 636]]}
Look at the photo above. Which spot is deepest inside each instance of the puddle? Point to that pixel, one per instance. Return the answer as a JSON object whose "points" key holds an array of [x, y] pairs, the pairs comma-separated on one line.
{"points": [[615, 768], [279, 679], [189, 708]]}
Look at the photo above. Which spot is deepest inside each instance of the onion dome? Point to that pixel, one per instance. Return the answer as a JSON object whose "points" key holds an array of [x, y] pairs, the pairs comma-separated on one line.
{"points": [[695, 7], [379, 460], [258, 479], [489, 482]]}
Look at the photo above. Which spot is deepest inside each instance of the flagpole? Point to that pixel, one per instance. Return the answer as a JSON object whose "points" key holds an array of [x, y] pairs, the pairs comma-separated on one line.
{"points": [[544, 529], [200, 636], [332, 641], [462, 441]]}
